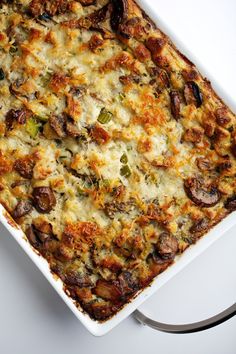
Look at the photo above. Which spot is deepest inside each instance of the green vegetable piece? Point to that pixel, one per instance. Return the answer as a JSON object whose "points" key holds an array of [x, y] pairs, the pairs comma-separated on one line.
{"points": [[125, 171], [2, 75], [32, 127], [124, 159], [106, 182], [41, 118], [121, 96], [104, 116]]}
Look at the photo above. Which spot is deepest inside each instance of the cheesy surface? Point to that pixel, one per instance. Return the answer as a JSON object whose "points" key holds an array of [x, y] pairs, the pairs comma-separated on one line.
{"points": [[115, 153]]}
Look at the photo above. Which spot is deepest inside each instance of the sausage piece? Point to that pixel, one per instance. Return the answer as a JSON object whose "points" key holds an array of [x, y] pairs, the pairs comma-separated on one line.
{"points": [[43, 199], [200, 194], [167, 246]]}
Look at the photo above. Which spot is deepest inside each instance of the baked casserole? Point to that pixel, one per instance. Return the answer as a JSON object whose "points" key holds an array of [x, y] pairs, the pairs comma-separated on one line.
{"points": [[115, 153]]}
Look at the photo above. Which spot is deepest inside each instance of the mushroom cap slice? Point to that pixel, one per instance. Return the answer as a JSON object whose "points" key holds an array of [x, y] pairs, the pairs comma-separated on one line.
{"points": [[119, 13], [200, 194]]}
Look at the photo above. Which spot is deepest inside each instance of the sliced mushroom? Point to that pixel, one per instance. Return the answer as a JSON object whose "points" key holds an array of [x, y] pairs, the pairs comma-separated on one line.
{"points": [[71, 129], [167, 245], [200, 194], [57, 123], [22, 208], [44, 199], [74, 277], [175, 104], [230, 203], [199, 226], [193, 94], [119, 13], [127, 284], [24, 166], [32, 237]]}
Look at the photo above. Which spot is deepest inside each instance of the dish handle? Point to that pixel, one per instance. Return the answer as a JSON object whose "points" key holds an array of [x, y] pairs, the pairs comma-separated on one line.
{"points": [[187, 328]]}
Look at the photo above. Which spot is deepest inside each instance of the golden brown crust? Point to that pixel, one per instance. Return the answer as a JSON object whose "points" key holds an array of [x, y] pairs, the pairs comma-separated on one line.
{"points": [[115, 153]]}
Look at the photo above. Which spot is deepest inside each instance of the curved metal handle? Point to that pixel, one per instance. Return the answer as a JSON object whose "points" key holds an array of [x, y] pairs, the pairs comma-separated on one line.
{"points": [[187, 328]]}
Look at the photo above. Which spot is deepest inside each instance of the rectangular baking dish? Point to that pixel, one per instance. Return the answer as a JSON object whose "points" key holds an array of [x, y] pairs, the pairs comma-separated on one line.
{"points": [[96, 328]]}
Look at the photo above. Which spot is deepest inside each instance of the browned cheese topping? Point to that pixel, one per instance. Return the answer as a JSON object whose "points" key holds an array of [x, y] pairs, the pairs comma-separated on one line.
{"points": [[115, 153]]}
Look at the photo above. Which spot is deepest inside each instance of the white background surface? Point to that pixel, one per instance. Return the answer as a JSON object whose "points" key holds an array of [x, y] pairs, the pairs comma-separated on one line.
{"points": [[34, 320]]}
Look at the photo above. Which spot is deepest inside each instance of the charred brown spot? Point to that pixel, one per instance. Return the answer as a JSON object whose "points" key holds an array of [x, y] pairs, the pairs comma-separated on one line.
{"points": [[193, 135], [24, 166], [175, 104], [129, 79], [95, 42], [100, 310], [155, 45], [190, 75], [23, 208], [141, 52], [222, 117], [209, 124], [133, 28], [167, 245], [193, 94], [225, 165], [43, 199], [200, 194], [99, 135]]}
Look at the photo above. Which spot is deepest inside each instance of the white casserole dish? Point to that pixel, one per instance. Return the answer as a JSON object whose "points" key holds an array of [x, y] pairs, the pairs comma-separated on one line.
{"points": [[94, 327]]}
